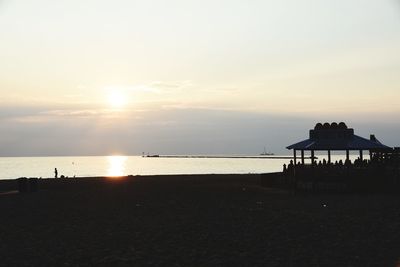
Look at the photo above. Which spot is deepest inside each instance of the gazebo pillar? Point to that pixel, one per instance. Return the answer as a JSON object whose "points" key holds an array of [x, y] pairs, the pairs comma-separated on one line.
{"points": [[312, 157], [329, 156], [361, 155], [294, 157], [302, 157], [347, 155]]}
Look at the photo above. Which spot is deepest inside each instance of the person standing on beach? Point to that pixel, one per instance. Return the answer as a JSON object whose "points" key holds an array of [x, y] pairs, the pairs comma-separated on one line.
{"points": [[55, 173]]}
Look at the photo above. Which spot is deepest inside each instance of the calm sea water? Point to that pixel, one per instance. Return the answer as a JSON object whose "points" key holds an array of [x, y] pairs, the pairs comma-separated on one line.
{"points": [[14, 167]]}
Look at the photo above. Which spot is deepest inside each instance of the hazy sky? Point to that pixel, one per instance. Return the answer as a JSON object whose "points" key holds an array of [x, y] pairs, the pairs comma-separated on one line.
{"points": [[100, 77]]}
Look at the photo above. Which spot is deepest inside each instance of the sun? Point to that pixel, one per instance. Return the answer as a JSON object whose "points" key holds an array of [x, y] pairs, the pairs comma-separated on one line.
{"points": [[116, 99]]}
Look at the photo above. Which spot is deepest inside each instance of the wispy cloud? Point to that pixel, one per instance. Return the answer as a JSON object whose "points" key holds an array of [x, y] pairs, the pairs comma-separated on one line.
{"points": [[172, 84], [73, 113]]}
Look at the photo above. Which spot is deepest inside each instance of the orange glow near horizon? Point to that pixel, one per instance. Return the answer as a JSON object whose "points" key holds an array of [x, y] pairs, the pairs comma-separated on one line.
{"points": [[116, 166]]}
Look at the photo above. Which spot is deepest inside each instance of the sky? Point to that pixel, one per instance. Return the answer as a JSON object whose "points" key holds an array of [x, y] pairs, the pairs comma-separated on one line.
{"points": [[95, 77]]}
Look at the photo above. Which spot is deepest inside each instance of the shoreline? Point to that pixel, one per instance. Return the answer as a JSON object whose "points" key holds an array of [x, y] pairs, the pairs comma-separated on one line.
{"points": [[205, 175], [12, 184]]}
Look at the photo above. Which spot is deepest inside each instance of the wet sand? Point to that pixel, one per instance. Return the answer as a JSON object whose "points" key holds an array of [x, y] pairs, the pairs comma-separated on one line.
{"points": [[194, 220]]}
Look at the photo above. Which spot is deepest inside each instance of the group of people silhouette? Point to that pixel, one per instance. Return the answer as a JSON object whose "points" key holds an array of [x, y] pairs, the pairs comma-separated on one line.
{"points": [[375, 161], [56, 174], [325, 164]]}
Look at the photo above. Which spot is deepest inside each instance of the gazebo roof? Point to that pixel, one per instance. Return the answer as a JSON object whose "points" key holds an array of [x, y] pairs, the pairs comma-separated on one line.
{"points": [[337, 137]]}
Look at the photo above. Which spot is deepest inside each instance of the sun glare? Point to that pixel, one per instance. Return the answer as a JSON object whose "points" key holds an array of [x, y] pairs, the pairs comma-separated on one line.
{"points": [[116, 166], [116, 99]]}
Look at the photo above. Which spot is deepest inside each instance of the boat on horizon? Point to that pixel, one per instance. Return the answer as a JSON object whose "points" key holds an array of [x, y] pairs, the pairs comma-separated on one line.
{"points": [[265, 153]]}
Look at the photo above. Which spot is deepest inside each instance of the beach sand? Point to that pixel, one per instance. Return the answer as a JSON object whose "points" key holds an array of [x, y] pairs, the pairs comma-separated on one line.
{"points": [[194, 220]]}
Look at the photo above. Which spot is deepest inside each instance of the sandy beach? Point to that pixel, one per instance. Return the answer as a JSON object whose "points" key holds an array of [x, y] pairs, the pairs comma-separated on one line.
{"points": [[193, 220]]}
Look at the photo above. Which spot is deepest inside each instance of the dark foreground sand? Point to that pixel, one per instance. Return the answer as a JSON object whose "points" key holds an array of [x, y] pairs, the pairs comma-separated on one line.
{"points": [[194, 221]]}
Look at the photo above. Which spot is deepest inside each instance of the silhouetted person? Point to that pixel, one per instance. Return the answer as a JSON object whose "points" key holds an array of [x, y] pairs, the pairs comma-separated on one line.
{"points": [[284, 167], [55, 173], [290, 166], [347, 163]]}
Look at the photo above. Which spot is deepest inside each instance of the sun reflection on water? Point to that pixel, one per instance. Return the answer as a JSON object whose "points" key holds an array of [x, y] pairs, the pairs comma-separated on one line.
{"points": [[116, 165]]}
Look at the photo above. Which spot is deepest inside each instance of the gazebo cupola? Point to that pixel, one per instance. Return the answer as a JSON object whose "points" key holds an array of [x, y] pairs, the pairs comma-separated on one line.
{"points": [[338, 137]]}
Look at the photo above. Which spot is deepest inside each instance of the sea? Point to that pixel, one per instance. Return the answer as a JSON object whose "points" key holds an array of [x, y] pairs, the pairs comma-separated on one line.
{"points": [[15, 167]]}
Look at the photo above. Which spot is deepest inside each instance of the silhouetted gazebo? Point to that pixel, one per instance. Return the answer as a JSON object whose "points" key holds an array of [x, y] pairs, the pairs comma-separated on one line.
{"points": [[336, 137]]}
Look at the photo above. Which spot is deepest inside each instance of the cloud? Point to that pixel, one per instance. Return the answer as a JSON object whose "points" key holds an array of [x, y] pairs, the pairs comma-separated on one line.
{"points": [[157, 87], [2, 5], [46, 131], [144, 89], [173, 85], [74, 96], [139, 88], [75, 113], [172, 131], [34, 114]]}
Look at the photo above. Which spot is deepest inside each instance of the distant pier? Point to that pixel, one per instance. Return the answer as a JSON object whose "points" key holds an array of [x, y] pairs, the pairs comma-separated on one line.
{"points": [[219, 157]]}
